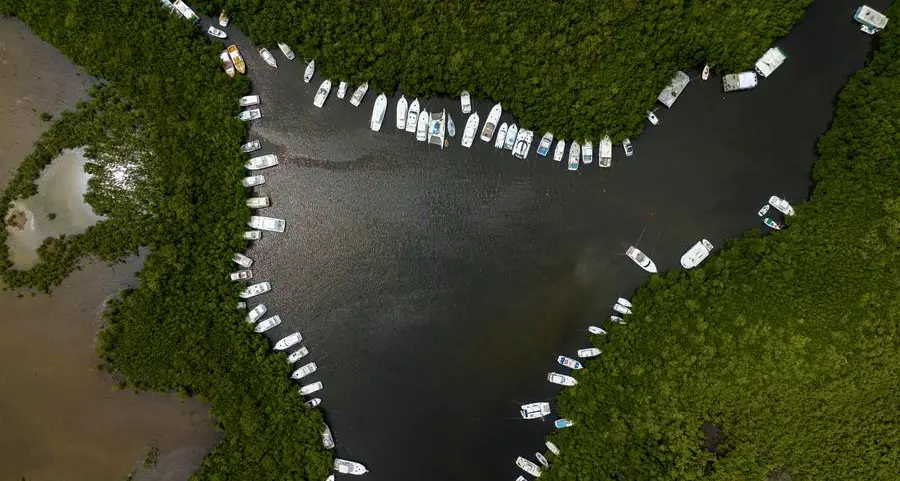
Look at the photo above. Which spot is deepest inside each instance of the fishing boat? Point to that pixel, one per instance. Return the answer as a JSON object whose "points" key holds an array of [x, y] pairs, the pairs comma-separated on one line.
{"points": [[288, 341], [311, 388], [252, 235], [267, 57], [378, 112], [252, 114], [304, 370], [235, 56], [322, 93], [451, 127], [544, 146], [471, 128], [562, 423], [215, 32], [286, 50], [598, 331], [501, 136], [705, 74], [223, 19], [253, 181], [560, 150], [327, 438], [243, 275], [528, 467], [624, 302], [342, 90], [313, 403], [617, 320], [271, 224], [487, 133], [465, 102], [437, 128], [763, 210], [297, 355], [249, 100], [255, 290], [412, 116], [242, 260], [605, 152], [349, 467], [541, 459], [552, 447], [771, 223], [589, 352], [402, 107], [310, 70], [535, 410], [523, 144], [257, 202], [251, 146], [422, 127], [640, 259], [574, 156], [358, 94], [696, 254], [587, 152], [256, 313], [781, 205], [228, 65], [568, 362], [261, 162], [561, 379], [511, 135], [629, 149], [621, 309], [652, 118]]}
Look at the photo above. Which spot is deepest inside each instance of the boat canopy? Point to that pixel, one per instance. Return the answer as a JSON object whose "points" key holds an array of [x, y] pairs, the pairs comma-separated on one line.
{"points": [[674, 89], [770, 60], [870, 17]]}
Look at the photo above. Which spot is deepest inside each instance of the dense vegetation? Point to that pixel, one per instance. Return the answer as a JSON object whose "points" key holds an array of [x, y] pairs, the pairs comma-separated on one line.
{"points": [[577, 68], [779, 357], [165, 115]]}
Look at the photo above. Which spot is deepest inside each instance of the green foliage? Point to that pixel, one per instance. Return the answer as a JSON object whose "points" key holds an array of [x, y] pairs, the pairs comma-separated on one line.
{"points": [[577, 68], [787, 344], [46, 116]]}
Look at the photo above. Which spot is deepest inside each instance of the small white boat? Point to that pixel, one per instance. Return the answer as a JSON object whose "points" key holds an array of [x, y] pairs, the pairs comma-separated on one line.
{"points": [[243, 275], [560, 151], [241, 305], [252, 114], [311, 388], [589, 352], [402, 107], [605, 152], [327, 438], [342, 90], [253, 180], [587, 152], [574, 156], [471, 128], [256, 313], [252, 235], [629, 149], [310, 70], [313, 403], [251, 146], [771, 223], [378, 112], [521, 478], [763, 210], [561, 379], [304, 370], [501, 136], [705, 74], [528, 467], [621, 309], [242, 260], [696, 254], [535, 410], [261, 162], [544, 147], [258, 202], [297, 355], [322, 93], [599, 331], [563, 423], [541, 459], [358, 94], [249, 100], [288, 341], [267, 324], [652, 118], [215, 32], [487, 133], [640, 259], [465, 102], [223, 19], [412, 116], [523, 144], [781, 205], [511, 135], [349, 467], [228, 65], [552, 447], [617, 320], [271, 224], [624, 302], [451, 127], [568, 362], [422, 127], [267, 57], [286, 50], [255, 290]]}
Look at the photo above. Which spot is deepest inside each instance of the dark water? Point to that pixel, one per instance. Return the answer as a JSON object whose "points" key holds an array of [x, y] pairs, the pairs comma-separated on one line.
{"points": [[435, 288]]}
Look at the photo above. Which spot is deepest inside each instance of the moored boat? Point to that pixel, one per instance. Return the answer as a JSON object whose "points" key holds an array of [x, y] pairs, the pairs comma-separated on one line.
{"points": [[422, 127], [589, 352], [617, 320], [322, 93], [297, 355], [304, 370], [705, 74], [412, 116], [349, 467], [451, 127], [574, 156], [272, 224], [535, 410], [268, 57], [487, 133], [560, 150], [261, 162], [252, 235], [228, 65], [771, 223], [286, 50], [235, 56], [552, 447], [253, 181], [255, 290], [252, 114], [471, 128], [568, 362], [358, 94], [544, 146], [313, 403], [621, 309], [652, 118], [562, 423], [528, 467], [251, 146], [342, 90], [541, 459], [511, 135], [256, 313], [501, 136], [258, 202], [327, 438], [309, 71], [242, 260], [215, 32], [311, 388], [437, 128], [781, 205], [596, 330], [402, 107], [696, 254], [561, 379], [641, 259], [465, 102], [288, 341], [378, 112], [223, 19], [605, 152], [243, 275], [627, 147], [249, 100], [523, 144], [624, 302], [587, 152]]}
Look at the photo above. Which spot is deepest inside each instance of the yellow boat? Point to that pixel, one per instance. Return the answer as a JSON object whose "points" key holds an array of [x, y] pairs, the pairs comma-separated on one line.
{"points": [[237, 59]]}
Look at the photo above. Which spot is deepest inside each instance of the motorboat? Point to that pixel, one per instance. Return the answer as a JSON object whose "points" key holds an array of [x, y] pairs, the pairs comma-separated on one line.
{"points": [[617, 320], [437, 128], [471, 127], [487, 133], [523, 144], [255, 290], [552, 447], [252, 235], [771, 223], [535, 410], [266, 223], [412, 116], [251, 146], [304, 370], [763, 210], [248, 115], [349, 467], [696, 254], [286, 50], [640, 259], [288, 341], [598, 331], [652, 118], [705, 74], [574, 156], [297, 355], [589, 352], [256, 313], [309, 71], [465, 101], [451, 127], [235, 56], [511, 135], [223, 19], [215, 32], [528, 467], [257, 202], [568, 362], [501, 136], [322, 93], [587, 152], [561, 379], [241, 305], [358, 94], [261, 162], [242, 275], [624, 302], [313, 403], [228, 65], [770, 61], [560, 150], [253, 180], [378, 112], [562, 423], [781, 205], [242, 260], [621, 309], [544, 146], [541, 459], [605, 152], [629, 149], [402, 107], [342, 90], [311, 388], [871, 21], [267, 57], [422, 127], [327, 438]]}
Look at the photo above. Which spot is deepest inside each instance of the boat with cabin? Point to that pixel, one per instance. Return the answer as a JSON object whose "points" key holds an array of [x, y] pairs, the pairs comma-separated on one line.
{"points": [[327, 437], [255, 290], [523, 144], [596, 330], [641, 259], [535, 410], [587, 152], [501, 136], [261, 162], [465, 102], [412, 116], [242, 275], [252, 235], [311, 388], [271, 224], [739, 81], [268, 57], [471, 128], [605, 152], [511, 134], [297, 355], [248, 115], [541, 459], [781, 205], [617, 320], [544, 146], [256, 313], [621, 309], [242, 260], [235, 56], [568, 362], [349, 467], [251, 146], [313, 403], [402, 107], [286, 50], [378, 111], [771, 60], [304, 370], [528, 467], [288, 341], [342, 90], [253, 180], [227, 64], [677, 85], [487, 133], [705, 74], [258, 202], [322, 93], [872, 21], [437, 128], [560, 150], [561, 379], [358, 94], [249, 100], [696, 254], [552, 447], [309, 71], [215, 32], [422, 127], [589, 352], [574, 156], [627, 147]]}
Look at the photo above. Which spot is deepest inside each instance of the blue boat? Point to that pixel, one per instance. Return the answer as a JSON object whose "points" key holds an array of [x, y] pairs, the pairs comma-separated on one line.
{"points": [[562, 423]]}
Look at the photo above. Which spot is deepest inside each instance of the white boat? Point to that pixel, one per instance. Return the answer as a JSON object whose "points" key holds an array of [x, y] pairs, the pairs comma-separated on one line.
{"points": [[313, 403], [256, 313], [236, 58], [286, 50], [261, 162], [249, 100], [629, 149], [872, 21], [255, 290], [624, 302], [734, 82], [574, 156], [763, 210], [288, 341], [228, 64], [266, 223], [501, 136], [342, 90], [471, 128], [304, 370], [544, 147], [617, 320], [560, 150], [327, 438], [241, 305], [696, 254], [253, 181], [310, 70], [437, 127], [297, 355], [541, 459], [402, 107], [358, 94], [563, 423], [242, 260], [378, 112], [257, 202], [511, 135], [568, 362], [523, 144], [605, 152], [621, 309], [640, 259], [252, 235], [535, 410], [215, 32], [587, 152], [322, 93], [267, 57], [561, 379], [598, 331], [589, 352], [552, 447], [422, 127], [528, 467], [771, 223], [521, 478], [243, 275], [487, 133], [771, 60], [349, 467], [311, 388], [223, 19], [652, 118], [705, 74], [465, 102], [251, 146], [252, 114], [412, 116], [451, 127], [781, 205], [673, 91]]}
